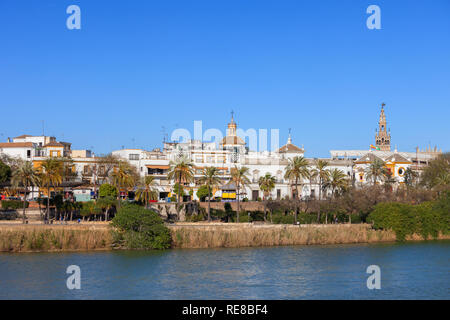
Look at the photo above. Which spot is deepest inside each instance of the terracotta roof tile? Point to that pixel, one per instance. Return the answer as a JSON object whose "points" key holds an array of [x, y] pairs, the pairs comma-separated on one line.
{"points": [[16, 145]]}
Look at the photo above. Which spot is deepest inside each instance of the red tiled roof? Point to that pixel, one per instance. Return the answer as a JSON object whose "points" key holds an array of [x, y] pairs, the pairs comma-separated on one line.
{"points": [[23, 136]]}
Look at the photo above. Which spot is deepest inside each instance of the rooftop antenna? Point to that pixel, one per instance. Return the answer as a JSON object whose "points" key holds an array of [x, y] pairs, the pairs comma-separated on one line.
{"points": [[43, 128], [132, 140]]}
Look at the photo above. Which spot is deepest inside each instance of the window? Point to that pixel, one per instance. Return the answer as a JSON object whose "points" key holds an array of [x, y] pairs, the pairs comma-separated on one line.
{"points": [[133, 156], [28, 153]]}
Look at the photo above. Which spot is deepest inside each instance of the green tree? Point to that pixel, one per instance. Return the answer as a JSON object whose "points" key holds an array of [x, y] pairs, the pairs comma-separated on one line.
{"points": [[106, 204], [124, 176], [146, 190], [437, 174], [5, 172], [203, 192], [139, 228], [210, 179], [240, 178], [337, 182], [295, 171], [107, 190], [266, 184], [181, 171], [50, 176], [26, 176], [376, 171], [322, 173]]}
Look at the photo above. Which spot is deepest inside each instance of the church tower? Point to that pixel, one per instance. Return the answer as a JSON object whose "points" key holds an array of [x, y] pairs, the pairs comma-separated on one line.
{"points": [[383, 136]]}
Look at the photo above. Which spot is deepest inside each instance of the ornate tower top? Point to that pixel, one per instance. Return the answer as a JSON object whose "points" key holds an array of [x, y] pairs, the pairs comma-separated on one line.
{"points": [[383, 136], [231, 131]]}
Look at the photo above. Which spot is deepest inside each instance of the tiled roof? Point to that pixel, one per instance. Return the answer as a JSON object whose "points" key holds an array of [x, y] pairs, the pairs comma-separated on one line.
{"points": [[368, 157], [16, 145], [23, 136], [289, 148], [54, 144], [233, 140], [397, 158]]}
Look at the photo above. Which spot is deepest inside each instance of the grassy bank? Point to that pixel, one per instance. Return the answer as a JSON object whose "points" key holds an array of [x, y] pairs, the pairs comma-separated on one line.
{"points": [[18, 238], [247, 235], [29, 238], [275, 235]]}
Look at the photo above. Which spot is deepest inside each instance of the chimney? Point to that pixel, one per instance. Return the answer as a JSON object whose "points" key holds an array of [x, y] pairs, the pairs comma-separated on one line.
{"points": [[9, 139]]}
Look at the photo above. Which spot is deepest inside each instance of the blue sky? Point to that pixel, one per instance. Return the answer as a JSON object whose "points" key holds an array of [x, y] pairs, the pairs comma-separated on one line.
{"points": [[313, 66]]}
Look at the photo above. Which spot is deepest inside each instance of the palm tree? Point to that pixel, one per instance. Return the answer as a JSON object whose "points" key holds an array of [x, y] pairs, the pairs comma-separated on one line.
{"points": [[211, 180], [146, 191], [181, 171], [296, 170], [25, 175], [51, 176], [240, 178], [376, 171], [124, 175], [266, 184], [337, 181], [322, 174]]}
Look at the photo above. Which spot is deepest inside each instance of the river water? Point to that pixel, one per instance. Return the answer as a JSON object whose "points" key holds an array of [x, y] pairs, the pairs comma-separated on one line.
{"points": [[413, 270]]}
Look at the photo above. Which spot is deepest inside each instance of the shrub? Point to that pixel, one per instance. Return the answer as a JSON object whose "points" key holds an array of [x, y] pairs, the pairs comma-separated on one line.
{"points": [[426, 219], [13, 204], [202, 193], [283, 219], [139, 228], [107, 190]]}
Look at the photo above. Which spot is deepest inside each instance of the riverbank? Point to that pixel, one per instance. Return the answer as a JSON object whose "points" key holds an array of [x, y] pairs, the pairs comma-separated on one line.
{"points": [[97, 236]]}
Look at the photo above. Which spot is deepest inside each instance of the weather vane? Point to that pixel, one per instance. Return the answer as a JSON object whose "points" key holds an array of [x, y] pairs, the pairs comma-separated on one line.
{"points": [[383, 104]]}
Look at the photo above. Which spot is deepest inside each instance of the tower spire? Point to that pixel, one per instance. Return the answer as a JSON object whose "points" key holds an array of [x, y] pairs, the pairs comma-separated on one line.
{"points": [[383, 136]]}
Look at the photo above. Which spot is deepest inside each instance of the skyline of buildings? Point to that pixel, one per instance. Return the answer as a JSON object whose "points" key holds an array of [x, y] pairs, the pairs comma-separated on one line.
{"points": [[231, 151]]}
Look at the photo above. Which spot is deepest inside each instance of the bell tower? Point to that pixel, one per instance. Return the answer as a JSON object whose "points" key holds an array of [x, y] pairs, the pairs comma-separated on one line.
{"points": [[383, 136]]}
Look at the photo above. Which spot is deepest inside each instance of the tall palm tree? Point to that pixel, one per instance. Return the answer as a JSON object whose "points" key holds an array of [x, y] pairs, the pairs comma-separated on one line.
{"points": [[146, 190], [266, 184], [210, 178], [322, 174], [337, 181], [51, 175], [240, 178], [181, 171], [27, 176], [124, 175], [376, 171], [296, 170]]}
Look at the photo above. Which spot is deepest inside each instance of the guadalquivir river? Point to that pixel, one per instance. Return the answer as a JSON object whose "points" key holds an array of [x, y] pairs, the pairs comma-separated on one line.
{"points": [[418, 270]]}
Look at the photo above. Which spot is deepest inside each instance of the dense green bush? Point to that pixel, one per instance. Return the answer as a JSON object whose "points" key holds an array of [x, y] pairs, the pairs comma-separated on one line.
{"points": [[139, 228], [427, 219], [107, 190], [283, 219], [203, 192], [13, 204]]}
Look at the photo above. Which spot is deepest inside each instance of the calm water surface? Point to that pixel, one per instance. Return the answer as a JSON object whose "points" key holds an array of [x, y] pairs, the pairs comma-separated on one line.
{"points": [[408, 271]]}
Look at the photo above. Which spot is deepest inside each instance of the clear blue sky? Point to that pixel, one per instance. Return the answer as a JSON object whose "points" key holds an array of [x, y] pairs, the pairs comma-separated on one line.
{"points": [[312, 66]]}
